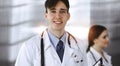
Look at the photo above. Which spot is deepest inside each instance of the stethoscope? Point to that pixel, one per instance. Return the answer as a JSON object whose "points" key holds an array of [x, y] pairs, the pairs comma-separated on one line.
{"points": [[42, 47]]}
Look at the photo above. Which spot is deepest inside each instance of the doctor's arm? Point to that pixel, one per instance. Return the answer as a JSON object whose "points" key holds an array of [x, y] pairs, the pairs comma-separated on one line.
{"points": [[25, 56]]}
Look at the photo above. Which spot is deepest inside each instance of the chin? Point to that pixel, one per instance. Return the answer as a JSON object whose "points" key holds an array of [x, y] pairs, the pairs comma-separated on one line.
{"points": [[105, 46]]}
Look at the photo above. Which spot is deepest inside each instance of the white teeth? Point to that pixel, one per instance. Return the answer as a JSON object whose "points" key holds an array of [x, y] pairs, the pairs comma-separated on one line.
{"points": [[58, 22]]}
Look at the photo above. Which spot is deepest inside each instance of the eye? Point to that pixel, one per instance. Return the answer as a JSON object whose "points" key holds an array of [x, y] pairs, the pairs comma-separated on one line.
{"points": [[62, 11], [53, 11], [104, 37]]}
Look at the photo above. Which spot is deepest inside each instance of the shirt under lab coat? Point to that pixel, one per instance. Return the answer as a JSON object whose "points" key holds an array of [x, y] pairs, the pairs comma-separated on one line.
{"points": [[94, 56], [30, 55]]}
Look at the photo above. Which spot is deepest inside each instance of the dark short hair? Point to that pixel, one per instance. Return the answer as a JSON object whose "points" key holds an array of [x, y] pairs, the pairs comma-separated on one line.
{"points": [[94, 32], [52, 3]]}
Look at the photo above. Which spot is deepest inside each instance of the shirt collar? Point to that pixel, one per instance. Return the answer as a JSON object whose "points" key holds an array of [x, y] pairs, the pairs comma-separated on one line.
{"points": [[54, 40]]}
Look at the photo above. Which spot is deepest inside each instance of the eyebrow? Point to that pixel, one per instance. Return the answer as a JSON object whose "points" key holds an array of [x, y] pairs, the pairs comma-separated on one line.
{"points": [[63, 9], [60, 9], [52, 9]]}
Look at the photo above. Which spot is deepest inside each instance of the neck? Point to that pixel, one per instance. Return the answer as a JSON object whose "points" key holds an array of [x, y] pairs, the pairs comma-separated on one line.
{"points": [[98, 49], [57, 33]]}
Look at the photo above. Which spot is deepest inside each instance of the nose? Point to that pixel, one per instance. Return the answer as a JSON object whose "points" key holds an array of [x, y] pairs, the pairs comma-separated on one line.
{"points": [[58, 15], [107, 39]]}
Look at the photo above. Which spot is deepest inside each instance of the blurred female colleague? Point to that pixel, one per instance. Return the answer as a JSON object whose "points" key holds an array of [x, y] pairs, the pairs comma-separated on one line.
{"points": [[98, 40]]}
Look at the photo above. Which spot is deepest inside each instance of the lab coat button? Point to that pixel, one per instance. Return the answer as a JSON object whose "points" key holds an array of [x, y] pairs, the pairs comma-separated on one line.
{"points": [[77, 61], [81, 60]]}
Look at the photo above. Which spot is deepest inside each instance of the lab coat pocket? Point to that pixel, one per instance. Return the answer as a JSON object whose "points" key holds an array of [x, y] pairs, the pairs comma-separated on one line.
{"points": [[77, 59]]}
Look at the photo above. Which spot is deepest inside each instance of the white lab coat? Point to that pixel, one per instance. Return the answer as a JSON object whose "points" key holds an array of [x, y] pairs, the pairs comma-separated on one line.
{"points": [[29, 54], [91, 60]]}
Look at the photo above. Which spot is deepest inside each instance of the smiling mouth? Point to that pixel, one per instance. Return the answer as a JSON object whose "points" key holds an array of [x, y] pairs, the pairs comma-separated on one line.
{"points": [[58, 22]]}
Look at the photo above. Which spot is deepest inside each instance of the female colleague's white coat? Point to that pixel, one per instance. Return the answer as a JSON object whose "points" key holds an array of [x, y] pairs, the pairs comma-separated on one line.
{"points": [[29, 54], [94, 54]]}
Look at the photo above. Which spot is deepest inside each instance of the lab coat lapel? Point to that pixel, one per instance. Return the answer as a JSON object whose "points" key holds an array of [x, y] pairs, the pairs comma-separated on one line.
{"points": [[50, 49], [47, 43], [67, 53], [108, 57], [95, 53]]}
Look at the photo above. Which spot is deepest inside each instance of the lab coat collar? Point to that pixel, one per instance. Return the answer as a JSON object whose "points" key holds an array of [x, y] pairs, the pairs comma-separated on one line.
{"points": [[46, 39], [98, 56], [95, 53]]}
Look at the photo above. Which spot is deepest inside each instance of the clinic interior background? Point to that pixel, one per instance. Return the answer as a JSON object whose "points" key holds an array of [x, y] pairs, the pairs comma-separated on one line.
{"points": [[23, 19]]}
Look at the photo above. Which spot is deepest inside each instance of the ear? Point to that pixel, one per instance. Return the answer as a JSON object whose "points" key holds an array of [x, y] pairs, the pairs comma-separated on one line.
{"points": [[45, 15], [95, 40], [68, 16]]}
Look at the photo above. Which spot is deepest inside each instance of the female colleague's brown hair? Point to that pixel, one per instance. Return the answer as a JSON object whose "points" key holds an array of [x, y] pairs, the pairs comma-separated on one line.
{"points": [[94, 32]]}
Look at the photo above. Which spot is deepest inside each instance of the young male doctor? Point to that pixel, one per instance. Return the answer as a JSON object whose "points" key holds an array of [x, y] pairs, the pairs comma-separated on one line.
{"points": [[55, 46]]}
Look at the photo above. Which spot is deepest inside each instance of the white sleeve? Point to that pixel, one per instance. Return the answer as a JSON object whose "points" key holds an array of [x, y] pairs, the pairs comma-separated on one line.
{"points": [[25, 56]]}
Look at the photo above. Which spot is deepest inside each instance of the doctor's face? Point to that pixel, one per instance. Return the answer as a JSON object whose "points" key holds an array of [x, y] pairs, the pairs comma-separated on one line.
{"points": [[57, 16], [103, 40]]}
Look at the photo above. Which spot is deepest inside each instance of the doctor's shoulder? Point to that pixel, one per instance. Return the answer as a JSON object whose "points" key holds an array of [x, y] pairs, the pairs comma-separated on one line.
{"points": [[89, 56], [82, 44], [32, 44], [28, 51], [90, 60]]}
